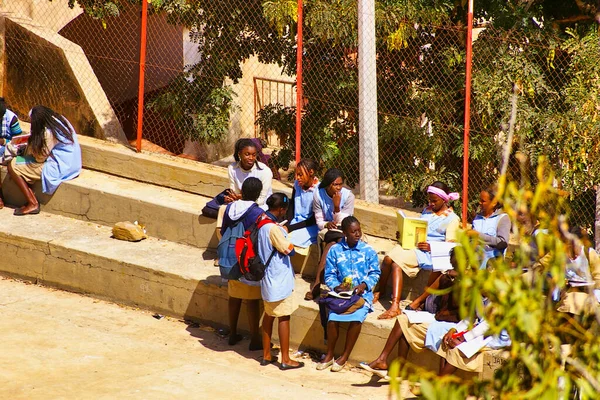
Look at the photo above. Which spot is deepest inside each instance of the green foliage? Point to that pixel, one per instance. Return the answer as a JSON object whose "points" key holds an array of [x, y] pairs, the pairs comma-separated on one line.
{"points": [[537, 366]]}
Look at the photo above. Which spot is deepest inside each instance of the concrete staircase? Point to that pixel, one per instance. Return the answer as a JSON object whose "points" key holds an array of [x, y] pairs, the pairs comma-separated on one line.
{"points": [[69, 245]]}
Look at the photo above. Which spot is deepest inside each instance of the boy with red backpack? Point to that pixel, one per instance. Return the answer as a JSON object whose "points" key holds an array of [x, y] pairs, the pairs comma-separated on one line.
{"points": [[277, 285], [239, 216]]}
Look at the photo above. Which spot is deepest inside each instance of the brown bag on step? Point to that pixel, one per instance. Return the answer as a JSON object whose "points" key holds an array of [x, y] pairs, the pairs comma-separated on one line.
{"points": [[129, 231]]}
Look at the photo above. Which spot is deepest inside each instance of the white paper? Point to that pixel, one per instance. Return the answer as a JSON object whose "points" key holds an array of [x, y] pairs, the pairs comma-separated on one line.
{"points": [[419, 317], [597, 294], [441, 249], [471, 347], [440, 255]]}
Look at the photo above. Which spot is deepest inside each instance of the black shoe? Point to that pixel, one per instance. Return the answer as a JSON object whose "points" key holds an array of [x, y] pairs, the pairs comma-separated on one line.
{"points": [[285, 367], [264, 362]]}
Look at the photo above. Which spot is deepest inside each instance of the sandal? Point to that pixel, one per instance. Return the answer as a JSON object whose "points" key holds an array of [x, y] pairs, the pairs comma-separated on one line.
{"points": [[389, 314], [19, 211]]}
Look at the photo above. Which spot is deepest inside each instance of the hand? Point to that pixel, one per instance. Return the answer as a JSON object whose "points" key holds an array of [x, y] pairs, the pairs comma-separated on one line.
{"points": [[424, 246], [472, 233], [342, 288], [451, 342], [337, 199], [360, 289], [331, 225]]}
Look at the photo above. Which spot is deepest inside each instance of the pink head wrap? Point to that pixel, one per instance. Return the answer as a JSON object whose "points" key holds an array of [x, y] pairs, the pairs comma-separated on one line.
{"points": [[443, 195]]}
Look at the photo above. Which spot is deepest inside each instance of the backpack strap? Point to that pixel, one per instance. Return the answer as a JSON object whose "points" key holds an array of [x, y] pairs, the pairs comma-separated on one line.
{"points": [[262, 221]]}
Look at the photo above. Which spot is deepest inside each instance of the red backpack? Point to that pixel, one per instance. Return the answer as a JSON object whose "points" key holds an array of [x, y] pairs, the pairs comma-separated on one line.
{"points": [[251, 266]]}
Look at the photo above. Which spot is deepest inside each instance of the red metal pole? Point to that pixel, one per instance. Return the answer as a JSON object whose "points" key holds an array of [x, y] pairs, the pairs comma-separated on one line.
{"points": [[299, 83], [465, 194], [140, 120]]}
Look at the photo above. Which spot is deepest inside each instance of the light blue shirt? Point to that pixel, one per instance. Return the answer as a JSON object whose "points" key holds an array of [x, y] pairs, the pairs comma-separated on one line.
{"points": [[278, 282], [436, 232], [359, 262], [63, 164]]}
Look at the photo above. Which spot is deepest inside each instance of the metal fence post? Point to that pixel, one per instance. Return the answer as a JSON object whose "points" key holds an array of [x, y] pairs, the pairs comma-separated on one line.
{"points": [[469, 61], [367, 103], [140, 119], [299, 82]]}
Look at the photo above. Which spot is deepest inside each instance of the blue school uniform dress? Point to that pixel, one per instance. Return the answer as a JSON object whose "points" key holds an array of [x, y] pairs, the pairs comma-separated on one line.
{"points": [[326, 203], [359, 262], [303, 210], [488, 226], [63, 164], [436, 232], [278, 282]]}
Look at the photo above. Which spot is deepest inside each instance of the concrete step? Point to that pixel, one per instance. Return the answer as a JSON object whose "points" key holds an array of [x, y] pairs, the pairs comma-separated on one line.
{"points": [[162, 276], [104, 199]]}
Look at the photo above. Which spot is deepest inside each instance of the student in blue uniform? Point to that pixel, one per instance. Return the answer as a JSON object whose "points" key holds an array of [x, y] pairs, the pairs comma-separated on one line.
{"points": [[302, 224], [350, 259], [443, 225], [277, 286]]}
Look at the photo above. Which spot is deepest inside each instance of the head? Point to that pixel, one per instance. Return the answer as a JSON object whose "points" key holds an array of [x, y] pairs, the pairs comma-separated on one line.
{"points": [[251, 189], [351, 229], [43, 118], [333, 180], [438, 195], [278, 204], [2, 107], [488, 202], [305, 172], [245, 153]]}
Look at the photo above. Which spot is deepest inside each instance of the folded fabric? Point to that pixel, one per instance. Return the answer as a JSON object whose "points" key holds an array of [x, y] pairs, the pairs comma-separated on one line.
{"points": [[342, 306], [211, 209]]}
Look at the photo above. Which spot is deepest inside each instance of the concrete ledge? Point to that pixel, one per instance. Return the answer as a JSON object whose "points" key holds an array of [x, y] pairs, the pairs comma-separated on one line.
{"points": [[204, 179], [104, 199], [165, 277]]}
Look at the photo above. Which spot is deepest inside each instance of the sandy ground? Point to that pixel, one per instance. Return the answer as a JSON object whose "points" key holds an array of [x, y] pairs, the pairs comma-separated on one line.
{"points": [[60, 345]]}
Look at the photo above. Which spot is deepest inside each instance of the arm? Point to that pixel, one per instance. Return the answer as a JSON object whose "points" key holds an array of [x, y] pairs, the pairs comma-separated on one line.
{"points": [[373, 271], [499, 242], [346, 210], [231, 173], [266, 177], [452, 230], [279, 241], [291, 211], [14, 129], [318, 211], [331, 271]]}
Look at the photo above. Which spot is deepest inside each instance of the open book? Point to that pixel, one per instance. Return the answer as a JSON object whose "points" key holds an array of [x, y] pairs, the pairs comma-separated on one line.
{"points": [[412, 230], [341, 295], [20, 140]]}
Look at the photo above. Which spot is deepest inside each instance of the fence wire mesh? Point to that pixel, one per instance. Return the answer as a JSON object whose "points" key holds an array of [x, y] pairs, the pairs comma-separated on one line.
{"points": [[224, 69]]}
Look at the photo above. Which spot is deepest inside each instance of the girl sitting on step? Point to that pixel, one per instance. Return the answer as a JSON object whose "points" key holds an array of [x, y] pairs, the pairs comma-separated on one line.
{"points": [[443, 225], [302, 224], [52, 155]]}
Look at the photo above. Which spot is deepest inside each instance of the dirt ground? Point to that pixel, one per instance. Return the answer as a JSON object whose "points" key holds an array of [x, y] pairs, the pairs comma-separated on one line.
{"points": [[60, 345]]}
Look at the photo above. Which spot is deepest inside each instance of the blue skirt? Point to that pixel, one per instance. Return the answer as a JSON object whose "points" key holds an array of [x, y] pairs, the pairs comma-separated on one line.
{"points": [[357, 316]]}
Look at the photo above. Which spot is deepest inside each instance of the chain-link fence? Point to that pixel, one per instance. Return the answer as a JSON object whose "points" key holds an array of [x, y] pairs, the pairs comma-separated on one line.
{"points": [[216, 71]]}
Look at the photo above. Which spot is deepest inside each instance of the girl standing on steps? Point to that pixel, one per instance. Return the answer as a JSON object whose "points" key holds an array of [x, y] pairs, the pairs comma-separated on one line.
{"points": [[443, 225], [302, 224], [52, 155], [277, 286], [247, 212]]}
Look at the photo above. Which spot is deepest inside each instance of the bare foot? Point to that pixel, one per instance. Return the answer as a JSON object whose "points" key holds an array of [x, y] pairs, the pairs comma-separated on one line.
{"points": [[379, 365], [393, 312]]}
